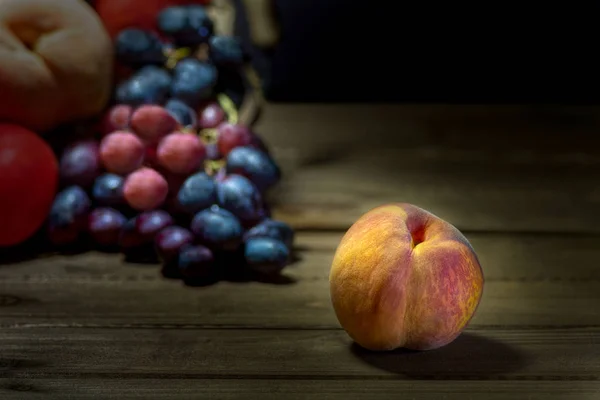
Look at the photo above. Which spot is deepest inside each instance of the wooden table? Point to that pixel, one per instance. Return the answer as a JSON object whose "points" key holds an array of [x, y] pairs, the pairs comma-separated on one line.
{"points": [[522, 183]]}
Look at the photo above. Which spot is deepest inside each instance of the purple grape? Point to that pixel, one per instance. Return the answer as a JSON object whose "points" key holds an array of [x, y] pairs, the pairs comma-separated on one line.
{"points": [[105, 225], [266, 255], [171, 240], [217, 228], [196, 262], [151, 222], [254, 165], [108, 190], [272, 229], [198, 192], [80, 164], [130, 237], [68, 215], [241, 197], [212, 152]]}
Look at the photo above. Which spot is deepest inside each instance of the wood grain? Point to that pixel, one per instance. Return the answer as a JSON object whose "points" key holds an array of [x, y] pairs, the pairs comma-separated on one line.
{"points": [[530, 280], [498, 169], [513, 355], [267, 389]]}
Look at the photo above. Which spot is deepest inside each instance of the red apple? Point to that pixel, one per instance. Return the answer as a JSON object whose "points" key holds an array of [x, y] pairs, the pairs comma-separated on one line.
{"points": [[28, 183], [120, 14]]}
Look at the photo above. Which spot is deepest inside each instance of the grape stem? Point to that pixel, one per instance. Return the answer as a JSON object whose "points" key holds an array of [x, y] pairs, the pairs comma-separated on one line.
{"points": [[229, 107]]}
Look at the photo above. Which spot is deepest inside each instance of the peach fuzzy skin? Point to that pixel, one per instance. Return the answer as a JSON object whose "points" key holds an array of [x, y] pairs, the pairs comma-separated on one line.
{"points": [[403, 277], [56, 62]]}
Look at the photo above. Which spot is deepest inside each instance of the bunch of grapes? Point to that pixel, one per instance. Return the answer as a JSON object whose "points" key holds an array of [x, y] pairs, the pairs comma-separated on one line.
{"points": [[172, 173]]}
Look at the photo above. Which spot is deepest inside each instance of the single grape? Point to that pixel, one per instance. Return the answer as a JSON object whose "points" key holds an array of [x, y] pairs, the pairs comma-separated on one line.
{"points": [[226, 51], [266, 255], [149, 223], [108, 190], [152, 122], [196, 262], [161, 76], [170, 240], [80, 163], [68, 215], [137, 48], [144, 88], [231, 136], [145, 189], [212, 152], [193, 81], [255, 165], [272, 229], [105, 225], [181, 153], [198, 192], [217, 228], [130, 237], [187, 26], [212, 116], [117, 119], [122, 152], [239, 196], [183, 114]]}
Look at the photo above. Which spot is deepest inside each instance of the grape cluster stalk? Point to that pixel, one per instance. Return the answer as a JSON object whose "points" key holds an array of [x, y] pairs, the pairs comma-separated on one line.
{"points": [[171, 174]]}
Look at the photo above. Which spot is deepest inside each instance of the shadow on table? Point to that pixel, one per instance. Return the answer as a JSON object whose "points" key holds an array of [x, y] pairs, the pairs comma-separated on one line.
{"points": [[470, 356]]}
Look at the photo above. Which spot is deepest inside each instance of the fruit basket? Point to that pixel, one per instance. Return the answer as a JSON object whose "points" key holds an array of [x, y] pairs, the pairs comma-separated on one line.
{"points": [[171, 171]]}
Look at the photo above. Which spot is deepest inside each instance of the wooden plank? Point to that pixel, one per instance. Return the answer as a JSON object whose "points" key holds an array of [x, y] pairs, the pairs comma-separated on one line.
{"points": [[230, 389], [530, 280], [512, 355], [506, 169]]}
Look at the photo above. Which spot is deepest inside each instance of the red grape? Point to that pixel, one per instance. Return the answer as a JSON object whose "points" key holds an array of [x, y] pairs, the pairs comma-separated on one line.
{"points": [[80, 163], [232, 136], [117, 119], [145, 189], [105, 225], [212, 116], [171, 240], [181, 153], [122, 152], [152, 122]]}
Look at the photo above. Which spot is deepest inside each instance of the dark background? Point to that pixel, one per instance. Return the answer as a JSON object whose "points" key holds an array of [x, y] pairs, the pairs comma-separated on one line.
{"points": [[340, 50]]}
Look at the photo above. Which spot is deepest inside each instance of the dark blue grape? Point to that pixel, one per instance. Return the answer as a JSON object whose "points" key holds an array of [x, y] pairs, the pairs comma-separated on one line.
{"points": [[255, 165], [105, 225], [150, 223], [184, 114], [217, 228], [198, 192], [108, 190], [241, 197], [171, 240], [187, 26], [68, 215], [159, 75], [266, 255], [272, 229], [142, 89], [137, 48], [193, 81], [80, 164], [226, 51], [196, 262]]}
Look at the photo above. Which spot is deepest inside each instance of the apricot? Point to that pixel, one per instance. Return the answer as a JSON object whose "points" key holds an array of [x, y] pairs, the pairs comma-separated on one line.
{"points": [[56, 63], [402, 277]]}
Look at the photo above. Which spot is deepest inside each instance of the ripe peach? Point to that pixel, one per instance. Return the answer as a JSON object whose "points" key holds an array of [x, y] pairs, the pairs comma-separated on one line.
{"points": [[403, 277], [55, 62]]}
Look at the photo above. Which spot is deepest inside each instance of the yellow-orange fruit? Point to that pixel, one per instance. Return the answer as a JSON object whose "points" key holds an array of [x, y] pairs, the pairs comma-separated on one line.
{"points": [[403, 277]]}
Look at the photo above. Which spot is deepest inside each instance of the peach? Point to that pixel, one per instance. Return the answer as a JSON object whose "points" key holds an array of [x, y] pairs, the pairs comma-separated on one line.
{"points": [[403, 277], [55, 62]]}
